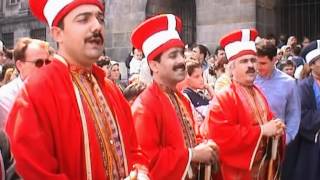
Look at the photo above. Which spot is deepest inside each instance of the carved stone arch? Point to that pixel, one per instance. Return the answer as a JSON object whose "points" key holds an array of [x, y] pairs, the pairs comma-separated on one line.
{"points": [[185, 9]]}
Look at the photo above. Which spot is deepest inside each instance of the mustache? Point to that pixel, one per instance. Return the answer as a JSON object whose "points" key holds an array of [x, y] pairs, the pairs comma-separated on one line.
{"points": [[250, 70], [95, 36], [179, 66]]}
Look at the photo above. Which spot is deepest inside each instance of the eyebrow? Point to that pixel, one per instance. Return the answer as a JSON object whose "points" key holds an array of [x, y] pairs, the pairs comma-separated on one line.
{"points": [[176, 51], [248, 59], [99, 13], [83, 14], [243, 60]]}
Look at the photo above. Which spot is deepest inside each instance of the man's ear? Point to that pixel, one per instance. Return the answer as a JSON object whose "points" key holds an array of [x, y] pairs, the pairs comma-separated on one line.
{"points": [[311, 66], [154, 66], [274, 60], [19, 65], [56, 34]]}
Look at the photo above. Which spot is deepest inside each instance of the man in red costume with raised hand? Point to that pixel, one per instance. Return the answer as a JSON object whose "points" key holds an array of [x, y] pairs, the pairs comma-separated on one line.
{"points": [[162, 115], [69, 122], [240, 120]]}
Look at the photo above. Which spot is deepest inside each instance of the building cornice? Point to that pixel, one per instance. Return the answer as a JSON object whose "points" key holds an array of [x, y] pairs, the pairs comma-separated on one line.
{"points": [[16, 19]]}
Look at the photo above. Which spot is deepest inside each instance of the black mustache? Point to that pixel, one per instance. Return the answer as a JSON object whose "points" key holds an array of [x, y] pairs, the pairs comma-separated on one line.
{"points": [[251, 70], [95, 36], [179, 66]]}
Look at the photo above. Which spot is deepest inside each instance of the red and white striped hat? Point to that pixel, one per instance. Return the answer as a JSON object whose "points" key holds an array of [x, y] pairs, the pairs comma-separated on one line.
{"points": [[157, 34], [52, 11], [239, 43]]}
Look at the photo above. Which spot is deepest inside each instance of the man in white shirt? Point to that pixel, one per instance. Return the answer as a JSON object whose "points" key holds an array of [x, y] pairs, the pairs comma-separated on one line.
{"points": [[29, 55]]}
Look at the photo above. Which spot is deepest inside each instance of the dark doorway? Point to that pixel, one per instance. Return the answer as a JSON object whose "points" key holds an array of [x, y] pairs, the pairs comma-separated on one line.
{"points": [[185, 9], [299, 18]]}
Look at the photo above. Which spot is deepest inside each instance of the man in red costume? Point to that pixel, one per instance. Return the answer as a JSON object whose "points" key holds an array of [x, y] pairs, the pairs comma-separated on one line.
{"points": [[240, 120], [162, 115], [69, 122]]}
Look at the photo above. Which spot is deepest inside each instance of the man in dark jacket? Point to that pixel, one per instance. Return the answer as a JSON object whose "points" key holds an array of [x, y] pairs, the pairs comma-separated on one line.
{"points": [[302, 159], [7, 162]]}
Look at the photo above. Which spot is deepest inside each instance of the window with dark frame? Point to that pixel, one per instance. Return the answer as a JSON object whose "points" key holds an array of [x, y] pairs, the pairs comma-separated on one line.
{"points": [[8, 39], [185, 9], [38, 33], [300, 18], [13, 2]]}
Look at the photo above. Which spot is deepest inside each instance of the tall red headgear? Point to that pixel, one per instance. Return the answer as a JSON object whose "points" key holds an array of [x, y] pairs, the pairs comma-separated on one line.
{"points": [[157, 34], [52, 11], [239, 43]]}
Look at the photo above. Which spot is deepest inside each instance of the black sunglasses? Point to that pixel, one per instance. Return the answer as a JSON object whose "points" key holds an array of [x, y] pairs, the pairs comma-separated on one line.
{"points": [[40, 62]]}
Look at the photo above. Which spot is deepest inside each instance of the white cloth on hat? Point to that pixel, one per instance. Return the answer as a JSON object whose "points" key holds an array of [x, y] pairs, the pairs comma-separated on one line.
{"points": [[159, 38], [314, 53], [238, 46], [52, 8], [239, 42], [157, 34], [245, 35]]}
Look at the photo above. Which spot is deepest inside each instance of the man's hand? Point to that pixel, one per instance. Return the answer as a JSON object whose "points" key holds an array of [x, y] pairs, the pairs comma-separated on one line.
{"points": [[273, 128], [210, 90], [139, 172], [205, 152]]}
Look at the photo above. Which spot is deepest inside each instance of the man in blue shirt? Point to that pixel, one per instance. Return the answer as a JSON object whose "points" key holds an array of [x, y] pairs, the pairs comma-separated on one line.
{"points": [[279, 88]]}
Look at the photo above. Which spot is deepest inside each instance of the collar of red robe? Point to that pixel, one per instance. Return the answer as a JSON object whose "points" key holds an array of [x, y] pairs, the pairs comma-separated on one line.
{"points": [[79, 70]]}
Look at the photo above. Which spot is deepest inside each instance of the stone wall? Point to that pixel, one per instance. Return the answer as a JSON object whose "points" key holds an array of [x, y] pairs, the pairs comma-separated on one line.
{"points": [[17, 19], [216, 18], [267, 16], [121, 18], [20, 26]]}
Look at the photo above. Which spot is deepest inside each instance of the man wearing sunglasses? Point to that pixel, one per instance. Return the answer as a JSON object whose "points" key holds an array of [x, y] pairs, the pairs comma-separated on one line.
{"points": [[29, 55]]}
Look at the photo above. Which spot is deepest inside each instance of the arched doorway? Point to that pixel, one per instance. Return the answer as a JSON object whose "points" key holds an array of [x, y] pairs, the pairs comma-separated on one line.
{"points": [[185, 9]]}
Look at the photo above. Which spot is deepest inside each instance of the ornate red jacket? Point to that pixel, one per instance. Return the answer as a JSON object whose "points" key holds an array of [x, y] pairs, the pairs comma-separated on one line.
{"points": [[160, 134], [231, 127], [45, 128]]}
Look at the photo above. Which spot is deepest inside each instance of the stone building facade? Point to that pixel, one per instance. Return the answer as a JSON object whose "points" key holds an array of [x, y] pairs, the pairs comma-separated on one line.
{"points": [[213, 18], [205, 21], [16, 21]]}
